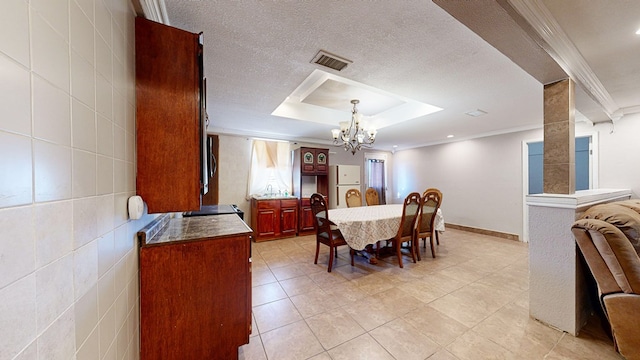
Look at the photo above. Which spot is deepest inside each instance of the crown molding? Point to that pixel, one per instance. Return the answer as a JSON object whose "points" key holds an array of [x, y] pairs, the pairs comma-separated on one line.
{"points": [[558, 45], [155, 10]]}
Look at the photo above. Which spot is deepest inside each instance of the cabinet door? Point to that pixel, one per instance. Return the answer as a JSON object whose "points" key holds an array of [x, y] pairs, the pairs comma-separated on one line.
{"points": [[267, 221], [289, 216], [168, 123], [306, 219], [188, 307], [308, 161], [322, 162]]}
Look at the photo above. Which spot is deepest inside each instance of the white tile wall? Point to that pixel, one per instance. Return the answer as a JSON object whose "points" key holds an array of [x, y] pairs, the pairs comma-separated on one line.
{"points": [[69, 264]]}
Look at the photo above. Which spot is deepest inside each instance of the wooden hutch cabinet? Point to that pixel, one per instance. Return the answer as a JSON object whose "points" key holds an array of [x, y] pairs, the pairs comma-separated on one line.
{"points": [[274, 218], [310, 175], [314, 161], [170, 124]]}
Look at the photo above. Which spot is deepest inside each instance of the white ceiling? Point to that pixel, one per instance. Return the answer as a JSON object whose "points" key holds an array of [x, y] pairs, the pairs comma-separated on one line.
{"points": [[258, 53]]}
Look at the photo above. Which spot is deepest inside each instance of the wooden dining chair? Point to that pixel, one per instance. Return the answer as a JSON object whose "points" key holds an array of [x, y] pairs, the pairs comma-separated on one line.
{"points": [[406, 231], [326, 231], [425, 226], [371, 196], [353, 198]]}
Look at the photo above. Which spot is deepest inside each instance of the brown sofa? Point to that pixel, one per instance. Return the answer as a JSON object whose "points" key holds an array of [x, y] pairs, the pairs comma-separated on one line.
{"points": [[608, 236]]}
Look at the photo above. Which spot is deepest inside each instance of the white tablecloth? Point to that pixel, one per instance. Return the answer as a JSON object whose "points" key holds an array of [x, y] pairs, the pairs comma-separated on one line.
{"points": [[365, 225]]}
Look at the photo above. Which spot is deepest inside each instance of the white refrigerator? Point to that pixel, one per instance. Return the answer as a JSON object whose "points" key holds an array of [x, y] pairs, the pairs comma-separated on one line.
{"points": [[341, 179]]}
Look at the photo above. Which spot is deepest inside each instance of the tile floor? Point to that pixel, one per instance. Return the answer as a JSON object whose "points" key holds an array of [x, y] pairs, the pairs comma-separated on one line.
{"points": [[471, 302]]}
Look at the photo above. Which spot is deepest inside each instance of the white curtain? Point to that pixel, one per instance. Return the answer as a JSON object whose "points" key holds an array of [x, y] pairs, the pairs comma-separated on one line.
{"points": [[270, 165]]}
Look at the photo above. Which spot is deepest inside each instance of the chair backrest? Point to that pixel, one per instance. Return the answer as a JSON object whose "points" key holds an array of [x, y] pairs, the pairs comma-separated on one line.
{"points": [[320, 214], [371, 196], [409, 215], [430, 203], [353, 198]]}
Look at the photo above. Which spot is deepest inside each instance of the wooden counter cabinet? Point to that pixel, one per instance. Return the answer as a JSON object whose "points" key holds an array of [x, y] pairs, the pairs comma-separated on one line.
{"points": [[195, 293], [307, 221], [274, 218]]}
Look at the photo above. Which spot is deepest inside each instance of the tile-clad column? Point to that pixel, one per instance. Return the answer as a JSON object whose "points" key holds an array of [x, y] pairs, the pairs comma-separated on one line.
{"points": [[559, 138]]}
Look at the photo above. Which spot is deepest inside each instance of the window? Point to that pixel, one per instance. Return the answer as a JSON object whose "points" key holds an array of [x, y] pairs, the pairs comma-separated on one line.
{"points": [[271, 170]]}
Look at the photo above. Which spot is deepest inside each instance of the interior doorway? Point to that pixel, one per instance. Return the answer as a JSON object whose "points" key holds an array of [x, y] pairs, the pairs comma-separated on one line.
{"points": [[586, 162]]}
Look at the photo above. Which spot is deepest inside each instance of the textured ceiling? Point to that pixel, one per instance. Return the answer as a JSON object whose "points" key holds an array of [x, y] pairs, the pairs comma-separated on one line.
{"points": [[257, 53]]}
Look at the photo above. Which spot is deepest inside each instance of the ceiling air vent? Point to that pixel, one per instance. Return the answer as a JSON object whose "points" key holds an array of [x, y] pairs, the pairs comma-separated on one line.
{"points": [[331, 61]]}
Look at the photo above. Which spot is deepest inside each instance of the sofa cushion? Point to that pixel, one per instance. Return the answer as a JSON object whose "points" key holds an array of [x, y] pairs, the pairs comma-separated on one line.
{"points": [[633, 204], [617, 252], [622, 217]]}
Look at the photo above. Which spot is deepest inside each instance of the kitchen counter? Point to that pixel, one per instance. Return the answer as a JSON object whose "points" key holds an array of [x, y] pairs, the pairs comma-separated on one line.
{"points": [[274, 197], [165, 229]]}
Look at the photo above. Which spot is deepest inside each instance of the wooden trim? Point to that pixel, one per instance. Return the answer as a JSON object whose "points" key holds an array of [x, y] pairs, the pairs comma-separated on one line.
{"points": [[484, 231]]}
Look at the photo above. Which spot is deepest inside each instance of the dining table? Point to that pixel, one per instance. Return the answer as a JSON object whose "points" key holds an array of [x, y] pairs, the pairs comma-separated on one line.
{"points": [[363, 226]]}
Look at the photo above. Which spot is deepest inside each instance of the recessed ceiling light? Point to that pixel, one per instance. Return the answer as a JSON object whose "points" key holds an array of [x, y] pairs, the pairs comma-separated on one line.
{"points": [[638, 32], [476, 113], [449, 136], [395, 146]]}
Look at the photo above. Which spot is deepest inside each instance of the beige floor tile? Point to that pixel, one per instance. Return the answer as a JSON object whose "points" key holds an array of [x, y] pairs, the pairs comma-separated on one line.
{"points": [[314, 302], [327, 279], [485, 296], [422, 290], [437, 326], [585, 346], [293, 341], [287, 272], [275, 314], [372, 284], [334, 327], [370, 313], [298, 285], [512, 328], [464, 310], [462, 274], [363, 347], [345, 293], [442, 354], [253, 350], [262, 276], [321, 356], [471, 346], [266, 293], [403, 341], [397, 301]]}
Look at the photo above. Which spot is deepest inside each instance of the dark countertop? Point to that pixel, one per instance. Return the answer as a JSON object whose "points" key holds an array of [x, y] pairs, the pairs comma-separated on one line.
{"points": [[165, 230]]}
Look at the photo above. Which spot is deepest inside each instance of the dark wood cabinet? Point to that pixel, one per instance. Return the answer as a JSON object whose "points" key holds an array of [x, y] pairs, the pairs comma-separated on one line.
{"points": [[313, 161], [195, 293], [307, 221], [310, 175], [289, 217], [274, 219], [169, 121]]}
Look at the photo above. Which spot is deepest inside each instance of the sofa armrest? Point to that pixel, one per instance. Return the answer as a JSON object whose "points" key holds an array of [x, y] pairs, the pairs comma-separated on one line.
{"points": [[623, 311]]}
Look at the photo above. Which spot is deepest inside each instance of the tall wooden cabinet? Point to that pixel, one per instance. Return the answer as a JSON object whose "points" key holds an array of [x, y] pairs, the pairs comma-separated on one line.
{"points": [[195, 289], [169, 120], [310, 175]]}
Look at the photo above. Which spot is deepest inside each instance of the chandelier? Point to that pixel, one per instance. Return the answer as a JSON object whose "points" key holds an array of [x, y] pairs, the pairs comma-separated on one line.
{"points": [[352, 135]]}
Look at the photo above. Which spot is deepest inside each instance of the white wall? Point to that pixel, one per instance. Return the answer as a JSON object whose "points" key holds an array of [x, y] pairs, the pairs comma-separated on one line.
{"points": [[68, 256], [620, 154], [481, 179]]}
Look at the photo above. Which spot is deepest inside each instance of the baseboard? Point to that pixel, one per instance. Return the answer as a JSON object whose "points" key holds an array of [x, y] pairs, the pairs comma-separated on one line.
{"points": [[483, 231]]}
